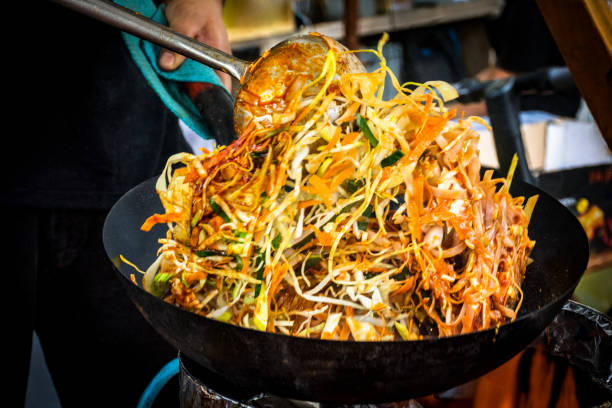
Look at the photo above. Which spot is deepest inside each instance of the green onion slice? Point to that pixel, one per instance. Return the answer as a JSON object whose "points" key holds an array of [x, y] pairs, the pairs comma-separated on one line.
{"points": [[277, 241], [209, 252], [275, 132], [363, 125], [219, 211], [363, 225], [353, 185], [240, 234], [160, 283], [312, 260], [239, 263], [259, 261], [391, 159]]}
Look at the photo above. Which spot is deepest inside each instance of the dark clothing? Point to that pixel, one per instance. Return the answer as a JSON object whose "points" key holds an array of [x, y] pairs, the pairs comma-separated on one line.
{"points": [[98, 129], [521, 38], [99, 349], [523, 44]]}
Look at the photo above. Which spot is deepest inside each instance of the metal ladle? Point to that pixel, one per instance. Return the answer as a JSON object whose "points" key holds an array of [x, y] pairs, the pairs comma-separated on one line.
{"points": [[262, 83]]}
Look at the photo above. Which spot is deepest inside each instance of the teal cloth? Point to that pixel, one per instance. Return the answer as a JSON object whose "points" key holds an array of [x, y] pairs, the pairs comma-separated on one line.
{"points": [[167, 84]]}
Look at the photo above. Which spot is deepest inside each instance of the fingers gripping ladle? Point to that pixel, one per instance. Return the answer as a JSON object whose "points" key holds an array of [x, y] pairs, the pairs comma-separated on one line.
{"points": [[263, 84]]}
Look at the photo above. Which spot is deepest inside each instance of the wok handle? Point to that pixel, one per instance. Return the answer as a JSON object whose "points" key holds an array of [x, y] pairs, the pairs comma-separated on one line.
{"points": [[147, 29], [216, 108], [502, 105]]}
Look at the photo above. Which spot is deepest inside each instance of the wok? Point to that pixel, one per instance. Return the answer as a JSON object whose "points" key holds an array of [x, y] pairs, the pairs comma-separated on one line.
{"points": [[348, 371]]}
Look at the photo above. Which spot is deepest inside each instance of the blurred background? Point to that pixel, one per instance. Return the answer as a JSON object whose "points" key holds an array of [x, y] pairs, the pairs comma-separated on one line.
{"points": [[469, 43]]}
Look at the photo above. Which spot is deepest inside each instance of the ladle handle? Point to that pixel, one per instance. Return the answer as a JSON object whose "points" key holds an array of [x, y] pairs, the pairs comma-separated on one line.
{"points": [[147, 29]]}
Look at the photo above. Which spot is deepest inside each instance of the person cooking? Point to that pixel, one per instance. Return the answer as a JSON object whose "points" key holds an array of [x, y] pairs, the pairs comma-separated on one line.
{"points": [[100, 129]]}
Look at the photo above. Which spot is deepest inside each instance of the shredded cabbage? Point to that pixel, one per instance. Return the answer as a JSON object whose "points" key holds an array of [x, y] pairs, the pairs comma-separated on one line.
{"points": [[345, 216]]}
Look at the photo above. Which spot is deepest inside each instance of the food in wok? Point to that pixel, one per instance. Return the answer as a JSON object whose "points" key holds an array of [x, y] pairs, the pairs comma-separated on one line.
{"points": [[338, 214]]}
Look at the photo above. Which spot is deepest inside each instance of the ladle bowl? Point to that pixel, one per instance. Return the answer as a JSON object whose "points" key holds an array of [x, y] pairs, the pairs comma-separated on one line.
{"points": [[263, 83]]}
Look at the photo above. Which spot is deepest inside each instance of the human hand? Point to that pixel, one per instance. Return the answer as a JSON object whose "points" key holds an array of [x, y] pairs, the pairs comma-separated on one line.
{"points": [[201, 20]]}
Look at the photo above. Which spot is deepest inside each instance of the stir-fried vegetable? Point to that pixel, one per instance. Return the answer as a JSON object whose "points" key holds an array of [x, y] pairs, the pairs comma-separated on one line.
{"points": [[346, 217]]}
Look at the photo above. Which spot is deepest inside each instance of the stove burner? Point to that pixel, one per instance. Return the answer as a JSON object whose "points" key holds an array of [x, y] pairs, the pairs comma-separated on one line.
{"points": [[201, 388]]}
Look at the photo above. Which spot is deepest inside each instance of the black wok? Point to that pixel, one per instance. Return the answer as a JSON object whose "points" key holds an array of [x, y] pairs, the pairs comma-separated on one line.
{"points": [[346, 371]]}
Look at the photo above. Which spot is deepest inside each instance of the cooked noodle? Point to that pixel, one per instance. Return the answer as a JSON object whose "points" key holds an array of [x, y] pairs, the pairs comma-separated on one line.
{"points": [[346, 217]]}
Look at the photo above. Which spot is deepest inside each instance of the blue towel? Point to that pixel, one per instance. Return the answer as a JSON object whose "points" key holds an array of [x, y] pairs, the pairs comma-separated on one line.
{"points": [[167, 84]]}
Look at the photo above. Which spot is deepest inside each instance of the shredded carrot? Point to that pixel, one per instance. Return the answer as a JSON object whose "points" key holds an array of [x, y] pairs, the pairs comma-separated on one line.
{"points": [[308, 203], [318, 187], [345, 332], [323, 237], [406, 286], [349, 113], [334, 139], [182, 171], [279, 273], [341, 178], [335, 206], [195, 276], [160, 218]]}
